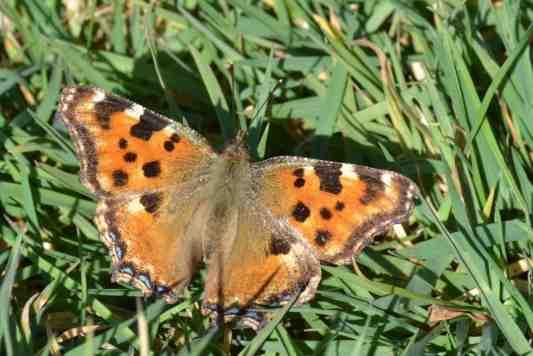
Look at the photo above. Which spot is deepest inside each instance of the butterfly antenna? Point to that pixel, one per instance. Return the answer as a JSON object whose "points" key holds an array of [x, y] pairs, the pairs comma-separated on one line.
{"points": [[233, 88], [254, 128], [241, 137], [268, 99]]}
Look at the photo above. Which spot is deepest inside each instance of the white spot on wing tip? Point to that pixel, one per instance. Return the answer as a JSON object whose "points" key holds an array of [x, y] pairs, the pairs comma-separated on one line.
{"points": [[412, 190], [308, 170], [169, 130], [68, 93], [348, 171], [135, 110], [386, 178], [66, 100], [98, 96]]}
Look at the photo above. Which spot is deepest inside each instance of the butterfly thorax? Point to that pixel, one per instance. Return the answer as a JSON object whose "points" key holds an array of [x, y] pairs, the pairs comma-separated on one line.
{"points": [[229, 187], [234, 166], [236, 150]]}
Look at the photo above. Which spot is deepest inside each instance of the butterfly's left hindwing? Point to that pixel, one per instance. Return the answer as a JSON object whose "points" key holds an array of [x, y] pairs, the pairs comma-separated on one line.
{"points": [[335, 207], [150, 245]]}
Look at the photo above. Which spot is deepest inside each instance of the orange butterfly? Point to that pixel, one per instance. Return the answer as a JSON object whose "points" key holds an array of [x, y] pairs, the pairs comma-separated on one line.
{"points": [[167, 201]]}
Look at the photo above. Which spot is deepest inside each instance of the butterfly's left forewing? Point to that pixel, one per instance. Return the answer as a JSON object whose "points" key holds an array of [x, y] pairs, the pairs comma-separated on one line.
{"points": [[335, 207], [125, 148]]}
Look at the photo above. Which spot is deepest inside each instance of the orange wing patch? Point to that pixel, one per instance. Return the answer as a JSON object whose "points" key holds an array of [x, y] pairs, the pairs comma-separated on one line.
{"points": [[126, 148], [336, 207]]}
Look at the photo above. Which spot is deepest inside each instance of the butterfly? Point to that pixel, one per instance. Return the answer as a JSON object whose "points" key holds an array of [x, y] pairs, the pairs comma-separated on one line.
{"points": [[168, 202]]}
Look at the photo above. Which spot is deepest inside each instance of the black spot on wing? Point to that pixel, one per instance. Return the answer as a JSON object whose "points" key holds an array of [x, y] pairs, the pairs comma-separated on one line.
{"points": [[103, 121], [169, 146], [339, 206], [130, 157], [329, 176], [279, 246], [175, 138], [373, 186], [322, 237], [120, 178], [299, 182], [151, 169], [151, 202], [298, 172], [147, 125], [123, 143], [300, 212], [325, 213], [107, 107]]}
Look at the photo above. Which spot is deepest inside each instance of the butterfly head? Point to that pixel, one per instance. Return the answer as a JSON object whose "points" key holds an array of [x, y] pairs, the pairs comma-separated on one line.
{"points": [[237, 149]]}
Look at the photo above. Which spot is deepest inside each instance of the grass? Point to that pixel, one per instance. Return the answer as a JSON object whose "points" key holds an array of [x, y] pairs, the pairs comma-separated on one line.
{"points": [[439, 91]]}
